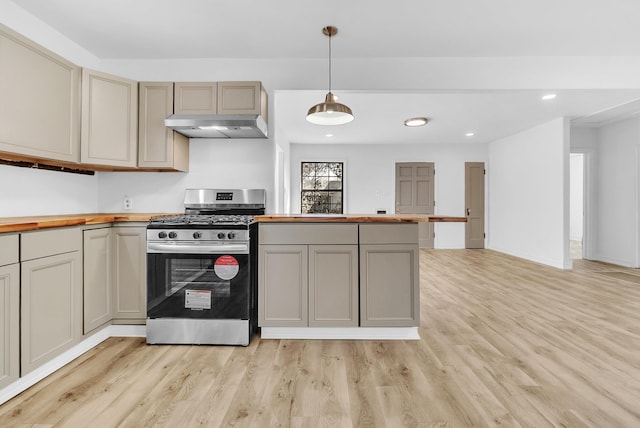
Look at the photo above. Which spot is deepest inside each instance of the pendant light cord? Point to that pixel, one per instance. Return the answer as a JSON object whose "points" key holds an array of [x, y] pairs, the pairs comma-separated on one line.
{"points": [[329, 61]]}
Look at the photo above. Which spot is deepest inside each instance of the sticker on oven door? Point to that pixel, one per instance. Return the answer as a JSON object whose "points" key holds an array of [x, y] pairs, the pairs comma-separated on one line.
{"points": [[197, 299], [226, 267]]}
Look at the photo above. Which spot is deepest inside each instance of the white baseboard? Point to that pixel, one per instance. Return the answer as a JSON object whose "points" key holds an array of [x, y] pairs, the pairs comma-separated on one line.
{"points": [[66, 357], [349, 333]]}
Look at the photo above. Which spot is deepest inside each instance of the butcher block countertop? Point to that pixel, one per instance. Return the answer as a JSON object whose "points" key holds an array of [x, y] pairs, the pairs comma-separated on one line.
{"points": [[356, 218], [19, 224]]}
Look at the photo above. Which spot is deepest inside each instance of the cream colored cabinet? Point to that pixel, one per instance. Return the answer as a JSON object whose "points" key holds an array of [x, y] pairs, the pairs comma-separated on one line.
{"points": [[158, 146], [283, 286], [195, 98], [303, 272], [51, 294], [389, 275], [333, 286], [40, 101], [9, 310], [242, 98], [109, 120], [97, 282], [129, 274]]}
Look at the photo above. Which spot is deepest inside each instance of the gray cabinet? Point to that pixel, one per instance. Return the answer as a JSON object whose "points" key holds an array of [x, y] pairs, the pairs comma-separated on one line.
{"points": [[333, 285], [283, 286], [307, 275], [109, 131], [129, 274], [51, 294], [97, 282], [247, 97], [40, 107], [159, 147], [389, 275], [195, 98], [9, 310]]}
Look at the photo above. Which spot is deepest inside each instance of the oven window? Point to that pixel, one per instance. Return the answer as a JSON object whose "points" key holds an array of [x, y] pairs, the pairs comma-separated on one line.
{"points": [[197, 274], [198, 286]]}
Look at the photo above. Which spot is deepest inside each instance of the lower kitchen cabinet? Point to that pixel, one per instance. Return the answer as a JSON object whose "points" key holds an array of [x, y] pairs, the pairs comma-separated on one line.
{"points": [[97, 278], [283, 285], [333, 285], [308, 275], [9, 310], [129, 274], [51, 295], [389, 276]]}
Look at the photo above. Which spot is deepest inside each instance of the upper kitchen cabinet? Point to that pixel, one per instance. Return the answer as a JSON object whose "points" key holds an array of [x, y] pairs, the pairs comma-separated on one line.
{"points": [[109, 120], [195, 98], [242, 98], [40, 107], [159, 147]]}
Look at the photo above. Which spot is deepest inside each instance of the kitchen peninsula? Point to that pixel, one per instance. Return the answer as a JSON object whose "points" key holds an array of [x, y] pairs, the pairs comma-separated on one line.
{"points": [[340, 276]]}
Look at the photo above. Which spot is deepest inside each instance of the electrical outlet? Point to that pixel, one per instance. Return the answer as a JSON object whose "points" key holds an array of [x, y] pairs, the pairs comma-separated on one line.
{"points": [[127, 203]]}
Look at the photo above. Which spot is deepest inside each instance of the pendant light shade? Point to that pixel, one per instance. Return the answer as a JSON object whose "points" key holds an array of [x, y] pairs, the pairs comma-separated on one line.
{"points": [[329, 112]]}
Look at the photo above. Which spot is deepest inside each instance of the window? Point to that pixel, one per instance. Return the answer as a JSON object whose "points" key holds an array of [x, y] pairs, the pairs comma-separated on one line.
{"points": [[321, 188]]}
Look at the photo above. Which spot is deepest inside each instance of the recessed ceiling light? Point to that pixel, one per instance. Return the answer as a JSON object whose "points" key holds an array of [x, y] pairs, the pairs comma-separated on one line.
{"points": [[548, 97], [469, 134], [416, 121], [329, 135]]}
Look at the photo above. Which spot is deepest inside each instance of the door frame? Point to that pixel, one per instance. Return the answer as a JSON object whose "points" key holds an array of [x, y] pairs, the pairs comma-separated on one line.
{"points": [[588, 202]]}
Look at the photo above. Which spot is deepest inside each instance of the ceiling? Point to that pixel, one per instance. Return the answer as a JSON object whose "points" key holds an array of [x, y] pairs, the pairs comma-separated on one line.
{"points": [[139, 29]]}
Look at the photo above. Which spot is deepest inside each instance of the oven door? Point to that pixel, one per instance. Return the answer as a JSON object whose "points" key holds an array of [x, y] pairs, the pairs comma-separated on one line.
{"points": [[198, 286]]}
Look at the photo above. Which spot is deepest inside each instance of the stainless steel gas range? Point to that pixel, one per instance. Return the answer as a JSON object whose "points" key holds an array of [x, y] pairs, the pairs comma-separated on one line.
{"points": [[201, 279]]}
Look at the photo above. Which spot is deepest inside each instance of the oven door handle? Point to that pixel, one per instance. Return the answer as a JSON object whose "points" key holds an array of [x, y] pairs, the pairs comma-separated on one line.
{"points": [[159, 248]]}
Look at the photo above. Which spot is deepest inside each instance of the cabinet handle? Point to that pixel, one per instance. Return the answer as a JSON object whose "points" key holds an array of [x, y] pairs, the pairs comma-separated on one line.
{"points": [[468, 212]]}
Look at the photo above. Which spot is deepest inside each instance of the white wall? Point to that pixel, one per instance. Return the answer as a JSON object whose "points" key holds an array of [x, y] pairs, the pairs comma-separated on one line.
{"points": [[576, 201], [369, 177], [26, 191], [212, 163], [618, 193], [529, 194]]}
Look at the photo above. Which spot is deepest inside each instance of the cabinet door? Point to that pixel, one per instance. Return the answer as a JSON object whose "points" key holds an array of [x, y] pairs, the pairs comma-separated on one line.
{"points": [[51, 307], [333, 285], [282, 286], [109, 120], [389, 285], [195, 98], [242, 98], [97, 278], [130, 274], [159, 146], [9, 324], [40, 107]]}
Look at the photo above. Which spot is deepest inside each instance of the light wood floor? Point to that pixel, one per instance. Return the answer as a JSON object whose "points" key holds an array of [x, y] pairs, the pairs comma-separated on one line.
{"points": [[505, 342]]}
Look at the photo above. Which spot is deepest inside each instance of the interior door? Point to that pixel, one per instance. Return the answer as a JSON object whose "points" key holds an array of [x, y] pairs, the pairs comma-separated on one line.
{"points": [[415, 195], [474, 204]]}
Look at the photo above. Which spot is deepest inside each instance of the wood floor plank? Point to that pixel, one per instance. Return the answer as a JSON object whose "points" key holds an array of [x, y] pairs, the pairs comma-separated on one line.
{"points": [[504, 342]]}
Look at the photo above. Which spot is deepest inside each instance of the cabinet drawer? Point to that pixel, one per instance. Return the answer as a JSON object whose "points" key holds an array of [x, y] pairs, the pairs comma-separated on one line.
{"points": [[8, 249], [406, 233], [49, 242], [308, 233]]}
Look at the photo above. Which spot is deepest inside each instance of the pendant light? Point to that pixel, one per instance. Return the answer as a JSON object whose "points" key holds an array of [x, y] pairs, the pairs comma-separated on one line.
{"points": [[329, 112]]}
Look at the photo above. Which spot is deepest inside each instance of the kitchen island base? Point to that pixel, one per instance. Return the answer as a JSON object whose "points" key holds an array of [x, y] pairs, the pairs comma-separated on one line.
{"points": [[341, 333]]}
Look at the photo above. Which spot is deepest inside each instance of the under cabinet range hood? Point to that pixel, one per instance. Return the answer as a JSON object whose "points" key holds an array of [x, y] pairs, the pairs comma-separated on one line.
{"points": [[218, 125]]}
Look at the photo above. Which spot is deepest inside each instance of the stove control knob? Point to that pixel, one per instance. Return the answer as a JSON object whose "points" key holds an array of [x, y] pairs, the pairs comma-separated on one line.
{"points": [[197, 235], [162, 235], [221, 235], [231, 235], [172, 234]]}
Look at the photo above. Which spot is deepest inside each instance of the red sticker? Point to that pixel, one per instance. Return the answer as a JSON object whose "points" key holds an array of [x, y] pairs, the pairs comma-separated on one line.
{"points": [[226, 267]]}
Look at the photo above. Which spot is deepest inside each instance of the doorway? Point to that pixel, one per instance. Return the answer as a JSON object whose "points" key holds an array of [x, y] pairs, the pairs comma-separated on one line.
{"points": [[576, 205], [415, 184]]}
